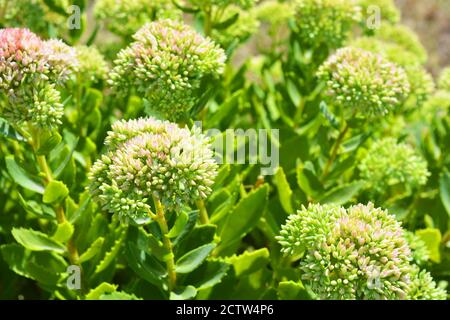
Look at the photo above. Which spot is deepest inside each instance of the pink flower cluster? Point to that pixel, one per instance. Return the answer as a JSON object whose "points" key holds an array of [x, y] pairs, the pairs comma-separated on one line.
{"points": [[29, 70]]}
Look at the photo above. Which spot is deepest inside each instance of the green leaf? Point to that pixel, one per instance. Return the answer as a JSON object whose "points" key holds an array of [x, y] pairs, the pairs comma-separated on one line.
{"points": [[249, 262], [208, 274], [49, 141], [63, 232], [7, 131], [111, 254], [93, 250], [180, 223], [225, 109], [103, 288], [93, 100], [444, 188], [332, 119], [284, 190], [20, 176], [55, 192], [307, 179], [118, 295], [36, 241], [293, 93], [144, 265], [342, 194], [432, 238], [290, 290], [66, 160], [186, 293], [148, 243], [244, 216], [228, 22], [40, 266], [191, 260], [200, 235]]}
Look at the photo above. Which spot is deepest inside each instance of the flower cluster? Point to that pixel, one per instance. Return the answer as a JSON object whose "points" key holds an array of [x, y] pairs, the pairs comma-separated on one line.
{"points": [[274, 12], [401, 46], [355, 253], [358, 253], [387, 10], [92, 65], [29, 70], [167, 64], [151, 158], [390, 166], [444, 79], [423, 287], [419, 249], [124, 17], [325, 22], [364, 82], [404, 37]]}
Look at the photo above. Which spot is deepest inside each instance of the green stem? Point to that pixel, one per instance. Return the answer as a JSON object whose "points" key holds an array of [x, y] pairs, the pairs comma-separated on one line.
{"points": [[170, 263], [35, 142], [204, 219], [334, 151], [208, 21]]}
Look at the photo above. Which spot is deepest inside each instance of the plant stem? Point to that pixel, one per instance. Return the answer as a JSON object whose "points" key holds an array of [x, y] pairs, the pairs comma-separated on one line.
{"points": [[170, 263], [48, 177], [204, 219], [334, 151], [208, 21]]}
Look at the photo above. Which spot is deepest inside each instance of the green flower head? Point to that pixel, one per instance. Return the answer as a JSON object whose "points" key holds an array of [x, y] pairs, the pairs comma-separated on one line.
{"points": [[325, 22], [151, 158], [444, 79], [389, 166], [92, 64], [386, 10], [423, 287], [355, 253], [166, 64], [364, 83], [125, 17]]}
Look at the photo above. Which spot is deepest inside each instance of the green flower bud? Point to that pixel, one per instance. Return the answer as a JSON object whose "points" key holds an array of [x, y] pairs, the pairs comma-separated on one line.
{"points": [[390, 166], [355, 253], [125, 17], [167, 64], [444, 79], [423, 287], [387, 10], [325, 22], [92, 65], [364, 83], [149, 157], [419, 249]]}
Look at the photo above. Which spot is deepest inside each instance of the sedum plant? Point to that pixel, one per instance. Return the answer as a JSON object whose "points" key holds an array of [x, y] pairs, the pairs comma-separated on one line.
{"points": [[355, 253], [391, 167], [161, 149], [168, 63], [364, 83]]}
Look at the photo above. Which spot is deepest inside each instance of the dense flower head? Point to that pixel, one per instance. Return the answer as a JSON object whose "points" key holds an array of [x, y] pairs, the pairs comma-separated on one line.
{"points": [[419, 249], [354, 253], [151, 158], [387, 10], [437, 105], [420, 80], [274, 12], [364, 82], [444, 79], [389, 166], [167, 63], [325, 22], [423, 287], [125, 17], [29, 70], [404, 37], [92, 64]]}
